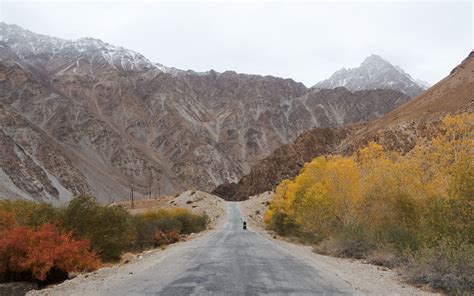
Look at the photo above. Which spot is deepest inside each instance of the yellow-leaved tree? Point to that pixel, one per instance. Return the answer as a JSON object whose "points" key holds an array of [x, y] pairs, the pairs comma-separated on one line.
{"points": [[421, 202]]}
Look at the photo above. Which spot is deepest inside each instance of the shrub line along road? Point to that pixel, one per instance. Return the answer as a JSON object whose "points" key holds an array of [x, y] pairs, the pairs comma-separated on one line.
{"points": [[231, 261]]}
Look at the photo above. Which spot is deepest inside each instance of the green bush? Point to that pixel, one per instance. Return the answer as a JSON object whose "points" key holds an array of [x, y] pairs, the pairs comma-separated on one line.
{"points": [[190, 222], [110, 229], [148, 223], [282, 224], [31, 213], [180, 221]]}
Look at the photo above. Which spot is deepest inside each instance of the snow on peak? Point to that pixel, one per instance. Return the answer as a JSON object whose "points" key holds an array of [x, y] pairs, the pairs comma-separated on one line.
{"points": [[373, 58], [28, 45], [374, 72]]}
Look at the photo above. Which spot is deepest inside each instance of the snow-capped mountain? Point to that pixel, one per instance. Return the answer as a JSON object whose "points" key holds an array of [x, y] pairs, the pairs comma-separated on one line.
{"points": [[397, 130], [373, 73], [52, 52], [88, 116]]}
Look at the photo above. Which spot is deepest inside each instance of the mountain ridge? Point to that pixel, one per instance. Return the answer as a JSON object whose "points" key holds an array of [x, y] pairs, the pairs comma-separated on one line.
{"points": [[374, 72], [399, 130], [122, 122]]}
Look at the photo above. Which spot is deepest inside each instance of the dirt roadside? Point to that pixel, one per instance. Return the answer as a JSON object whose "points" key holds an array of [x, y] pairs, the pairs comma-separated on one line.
{"points": [[196, 201], [367, 278]]}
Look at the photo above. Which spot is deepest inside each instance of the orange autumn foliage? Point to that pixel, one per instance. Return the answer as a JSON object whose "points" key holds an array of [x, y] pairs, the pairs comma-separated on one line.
{"points": [[38, 251], [166, 237], [6, 221]]}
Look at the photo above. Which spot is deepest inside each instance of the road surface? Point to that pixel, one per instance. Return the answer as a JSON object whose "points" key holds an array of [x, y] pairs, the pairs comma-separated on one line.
{"points": [[231, 261]]}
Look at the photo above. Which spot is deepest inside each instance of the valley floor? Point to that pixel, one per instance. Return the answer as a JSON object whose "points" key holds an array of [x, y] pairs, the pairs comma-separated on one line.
{"points": [[231, 261]]}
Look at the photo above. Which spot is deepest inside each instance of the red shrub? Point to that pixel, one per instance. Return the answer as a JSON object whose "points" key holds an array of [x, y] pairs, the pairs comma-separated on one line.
{"points": [[6, 221], [166, 237], [36, 252]]}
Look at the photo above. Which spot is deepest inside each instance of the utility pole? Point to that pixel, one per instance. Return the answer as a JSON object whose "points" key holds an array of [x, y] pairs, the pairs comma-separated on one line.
{"points": [[133, 203], [151, 182]]}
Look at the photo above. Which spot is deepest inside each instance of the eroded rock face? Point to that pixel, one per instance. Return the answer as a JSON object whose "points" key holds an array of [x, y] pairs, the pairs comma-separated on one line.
{"points": [[120, 121], [33, 165], [285, 162]]}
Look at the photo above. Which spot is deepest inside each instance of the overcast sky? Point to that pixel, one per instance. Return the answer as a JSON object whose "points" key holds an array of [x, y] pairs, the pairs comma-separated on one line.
{"points": [[303, 41]]}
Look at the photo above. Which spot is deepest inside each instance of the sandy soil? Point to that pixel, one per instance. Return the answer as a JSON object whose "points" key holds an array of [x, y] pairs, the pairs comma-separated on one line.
{"points": [[366, 278]]}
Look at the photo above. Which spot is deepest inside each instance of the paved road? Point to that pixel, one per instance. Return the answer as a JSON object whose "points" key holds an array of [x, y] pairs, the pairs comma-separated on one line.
{"points": [[231, 262]]}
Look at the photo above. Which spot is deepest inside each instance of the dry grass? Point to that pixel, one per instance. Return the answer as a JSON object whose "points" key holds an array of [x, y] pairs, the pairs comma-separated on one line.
{"points": [[196, 201], [384, 258]]}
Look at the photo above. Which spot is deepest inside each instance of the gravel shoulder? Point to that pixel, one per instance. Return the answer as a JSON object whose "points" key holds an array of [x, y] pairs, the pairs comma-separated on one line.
{"points": [[366, 278]]}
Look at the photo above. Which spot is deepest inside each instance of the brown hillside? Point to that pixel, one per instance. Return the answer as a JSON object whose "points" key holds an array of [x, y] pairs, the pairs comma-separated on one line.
{"points": [[453, 94], [397, 130], [420, 117], [284, 162], [128, 122]]}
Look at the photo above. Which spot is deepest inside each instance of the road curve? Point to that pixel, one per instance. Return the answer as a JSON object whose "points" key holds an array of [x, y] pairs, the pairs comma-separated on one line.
{"points": [[231, 261]]}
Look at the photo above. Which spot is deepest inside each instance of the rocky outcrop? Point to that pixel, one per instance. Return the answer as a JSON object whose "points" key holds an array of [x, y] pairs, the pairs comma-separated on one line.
{"points": [[33, 165], [285, 162], [123, 121]]}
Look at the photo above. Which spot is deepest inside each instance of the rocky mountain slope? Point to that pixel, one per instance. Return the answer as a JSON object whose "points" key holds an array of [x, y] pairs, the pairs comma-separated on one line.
{"points": [[109, 119], [398, 129], [285, 162], [373, 73]]}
